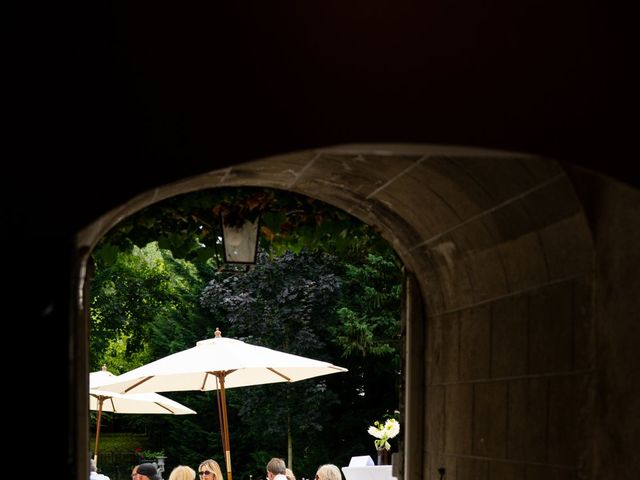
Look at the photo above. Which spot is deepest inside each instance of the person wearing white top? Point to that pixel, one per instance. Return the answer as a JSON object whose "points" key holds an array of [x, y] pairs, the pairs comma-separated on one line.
{"points": [[93, 472]]}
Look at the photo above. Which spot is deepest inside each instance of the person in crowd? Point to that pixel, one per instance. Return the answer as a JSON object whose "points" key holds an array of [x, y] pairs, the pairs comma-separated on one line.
{"points": [[93, 472], [134, 472], [147, 471], [276, 469], [210, 470], [328, 472], [289, 474], [182, 472]]}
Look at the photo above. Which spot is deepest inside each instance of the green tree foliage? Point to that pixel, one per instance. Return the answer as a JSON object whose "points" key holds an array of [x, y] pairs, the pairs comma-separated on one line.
{"points": [[311, 304], [370, 315], [287, 303], [135, 295], [144, 305], [368, 339], [280, 302]]}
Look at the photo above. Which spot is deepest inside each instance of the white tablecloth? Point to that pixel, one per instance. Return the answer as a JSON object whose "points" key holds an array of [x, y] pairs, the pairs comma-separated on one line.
{"points": [[376, 472]]}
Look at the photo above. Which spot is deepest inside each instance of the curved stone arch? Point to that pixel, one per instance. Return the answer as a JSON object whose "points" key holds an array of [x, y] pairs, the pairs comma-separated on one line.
{"points": [[501, 253]]}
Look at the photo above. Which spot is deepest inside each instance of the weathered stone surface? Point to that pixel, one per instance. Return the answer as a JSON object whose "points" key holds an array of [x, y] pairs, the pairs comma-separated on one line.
{"points": [[509, 337], [490, 419]]}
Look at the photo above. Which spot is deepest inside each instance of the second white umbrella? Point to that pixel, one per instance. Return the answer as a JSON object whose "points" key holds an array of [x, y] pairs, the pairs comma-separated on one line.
{"points": [[143, 403]]}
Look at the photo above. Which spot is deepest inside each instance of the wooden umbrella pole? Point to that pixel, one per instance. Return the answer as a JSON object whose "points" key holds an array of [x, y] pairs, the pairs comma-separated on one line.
{"points": [[218, 399], [224, 424], [98, 421]]}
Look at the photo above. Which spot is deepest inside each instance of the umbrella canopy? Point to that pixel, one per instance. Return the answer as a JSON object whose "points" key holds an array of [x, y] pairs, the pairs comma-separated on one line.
{"points": [[217, 364], [106, 401]]}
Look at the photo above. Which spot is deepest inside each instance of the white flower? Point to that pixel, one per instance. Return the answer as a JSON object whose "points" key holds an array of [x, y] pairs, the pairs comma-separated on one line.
{"points": [[383, 432], [392, 427]]}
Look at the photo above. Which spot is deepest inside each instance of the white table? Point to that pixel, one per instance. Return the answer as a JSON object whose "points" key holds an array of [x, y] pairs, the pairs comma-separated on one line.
{"points": [[375, 472]]}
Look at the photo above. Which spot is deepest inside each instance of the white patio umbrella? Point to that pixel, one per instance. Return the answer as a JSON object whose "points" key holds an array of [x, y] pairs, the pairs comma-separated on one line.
{"points": [[107, 401], [217, 364]]}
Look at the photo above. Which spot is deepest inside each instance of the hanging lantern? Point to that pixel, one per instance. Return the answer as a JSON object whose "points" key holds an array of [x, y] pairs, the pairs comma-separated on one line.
{"points": [[239, 238]]}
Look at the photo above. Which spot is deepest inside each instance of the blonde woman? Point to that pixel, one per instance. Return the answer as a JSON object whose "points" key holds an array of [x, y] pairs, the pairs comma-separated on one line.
{"points": [[328, 472], [210, 470], [182, 472]]}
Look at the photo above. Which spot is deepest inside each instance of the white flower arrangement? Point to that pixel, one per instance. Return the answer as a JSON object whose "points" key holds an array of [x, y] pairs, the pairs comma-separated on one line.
{"points": [[383, 432]]}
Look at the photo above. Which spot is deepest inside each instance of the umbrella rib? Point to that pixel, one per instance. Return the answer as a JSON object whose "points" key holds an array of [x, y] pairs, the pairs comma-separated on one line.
{"points": [[165, 407], [204, 381], [279, 374], [138, 383]]}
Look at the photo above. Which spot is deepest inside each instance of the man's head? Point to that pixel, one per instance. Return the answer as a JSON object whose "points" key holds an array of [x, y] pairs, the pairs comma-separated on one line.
{"points": [[148, 470], [276, 466]]}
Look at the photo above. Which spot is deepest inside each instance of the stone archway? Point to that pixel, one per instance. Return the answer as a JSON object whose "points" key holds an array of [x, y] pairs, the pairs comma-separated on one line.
{"points": [[500, 267]]}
